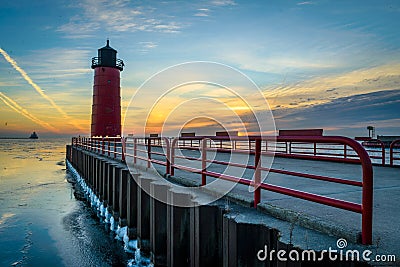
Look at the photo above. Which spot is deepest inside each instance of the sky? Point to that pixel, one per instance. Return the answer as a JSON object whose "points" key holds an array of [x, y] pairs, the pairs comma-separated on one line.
{"points": [[309, 64]]}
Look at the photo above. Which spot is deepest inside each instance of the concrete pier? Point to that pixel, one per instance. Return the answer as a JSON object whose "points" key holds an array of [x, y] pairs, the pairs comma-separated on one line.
{"points": [[222, 233]]}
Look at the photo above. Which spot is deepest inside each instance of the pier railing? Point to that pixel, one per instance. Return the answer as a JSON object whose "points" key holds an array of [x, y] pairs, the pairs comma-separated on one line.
{"points": [[379, 153], [290, 149], [258, 146], [162, 151], [394, 154]]}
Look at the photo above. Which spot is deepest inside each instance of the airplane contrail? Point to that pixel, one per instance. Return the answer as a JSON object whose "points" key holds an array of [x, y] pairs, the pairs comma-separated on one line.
{"points": [[37, 87], [17, 108]]}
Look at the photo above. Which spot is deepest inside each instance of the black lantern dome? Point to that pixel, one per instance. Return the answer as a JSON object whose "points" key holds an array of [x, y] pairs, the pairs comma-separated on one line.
{"points": [[107, 57]]}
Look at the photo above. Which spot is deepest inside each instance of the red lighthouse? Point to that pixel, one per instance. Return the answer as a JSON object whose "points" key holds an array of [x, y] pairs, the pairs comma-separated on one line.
{"points": [[106, 108]]}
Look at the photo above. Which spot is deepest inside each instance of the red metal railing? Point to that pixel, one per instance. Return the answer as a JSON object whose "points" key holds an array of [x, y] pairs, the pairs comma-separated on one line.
{"points": [[393, 145], [322, 148], [372, 153], [108, 146], [255, 147], [141, 149]]}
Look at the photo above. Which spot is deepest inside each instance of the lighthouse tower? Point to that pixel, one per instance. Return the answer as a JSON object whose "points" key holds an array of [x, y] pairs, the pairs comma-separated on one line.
{"points": [[106, 108]]}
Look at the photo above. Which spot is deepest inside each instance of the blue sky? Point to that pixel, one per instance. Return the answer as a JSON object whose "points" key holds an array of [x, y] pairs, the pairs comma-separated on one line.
{"points": [[305, 56]]}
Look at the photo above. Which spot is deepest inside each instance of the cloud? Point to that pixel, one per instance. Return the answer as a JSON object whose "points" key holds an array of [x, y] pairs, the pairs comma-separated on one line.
{"points": [[22, 111], [145, 47], [59, 62], [305, 3], [223, 2], [148, 45], [201, 14], [325, 89], [37, 88], [347, 115], [115, 16]]}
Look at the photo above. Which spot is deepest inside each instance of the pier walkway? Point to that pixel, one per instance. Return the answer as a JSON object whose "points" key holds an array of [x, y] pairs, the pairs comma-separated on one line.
{"points": [[306, 224], [329, 220]]}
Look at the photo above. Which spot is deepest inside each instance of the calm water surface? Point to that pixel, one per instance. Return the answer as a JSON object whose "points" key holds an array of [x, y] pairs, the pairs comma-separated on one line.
{"points": [[41, 223]]}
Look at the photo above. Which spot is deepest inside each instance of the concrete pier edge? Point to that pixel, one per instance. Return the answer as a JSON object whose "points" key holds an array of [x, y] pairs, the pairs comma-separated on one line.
{"points": [[262, 216]]}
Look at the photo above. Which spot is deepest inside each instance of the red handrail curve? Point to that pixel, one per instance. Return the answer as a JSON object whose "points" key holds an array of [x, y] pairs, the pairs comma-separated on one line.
{"points": [[367, 176]]}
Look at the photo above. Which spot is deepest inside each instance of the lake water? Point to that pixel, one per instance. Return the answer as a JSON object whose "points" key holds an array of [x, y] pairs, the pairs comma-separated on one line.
{"points": [[41, 222]]}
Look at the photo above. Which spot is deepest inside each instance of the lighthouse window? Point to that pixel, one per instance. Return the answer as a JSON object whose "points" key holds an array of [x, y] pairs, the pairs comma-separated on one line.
{"points": [[109, 81]]}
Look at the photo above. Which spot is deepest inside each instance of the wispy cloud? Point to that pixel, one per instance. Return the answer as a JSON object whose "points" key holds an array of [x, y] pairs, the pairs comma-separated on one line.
{"points": [[37, 88], [325, 89], [22, 111], [145, 47], [58, 63], [201, 14], [115, 16], [223, 2], [305, 3], [349, 115]]}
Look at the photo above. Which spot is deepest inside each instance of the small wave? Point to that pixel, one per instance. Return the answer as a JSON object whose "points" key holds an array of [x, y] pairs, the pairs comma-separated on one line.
{"points": [[61, 163], [19, 157]]}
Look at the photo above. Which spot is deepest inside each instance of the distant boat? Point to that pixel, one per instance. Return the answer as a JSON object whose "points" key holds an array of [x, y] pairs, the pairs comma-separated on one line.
{"points": [[34, 136]]}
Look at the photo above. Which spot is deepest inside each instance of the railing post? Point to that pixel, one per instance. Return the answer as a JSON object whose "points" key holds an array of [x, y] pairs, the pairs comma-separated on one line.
{"points": [[108, 147], [315, 148], [115, 147], [167, 155], [134, 150], [203, 162], [148, 152], [392, 156], [173, 156], [345, 151], [367, 199], [102, 146], [257, 172], [123, 148]]}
